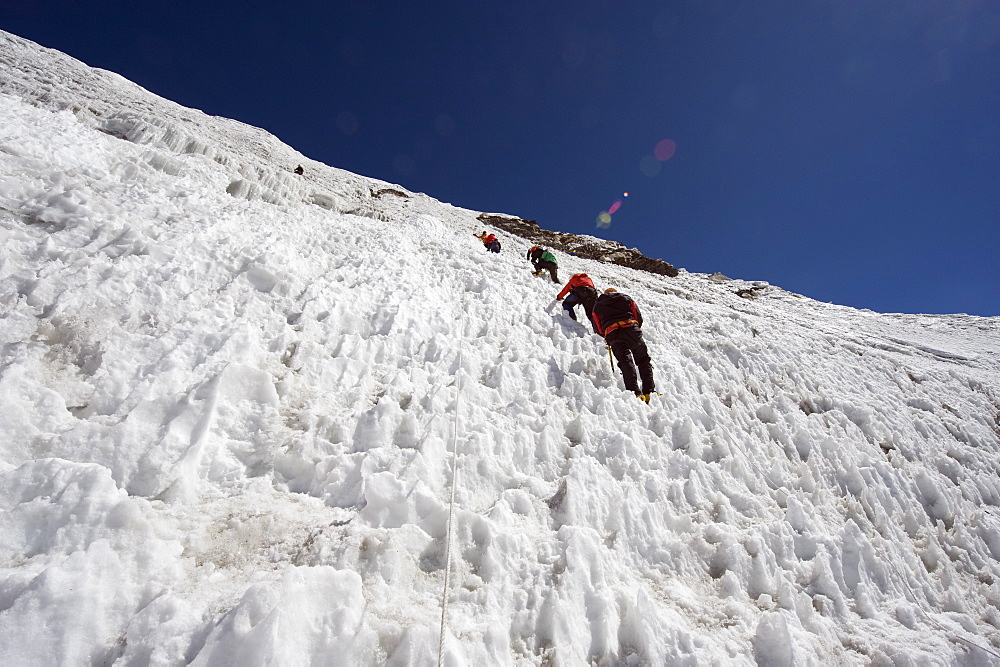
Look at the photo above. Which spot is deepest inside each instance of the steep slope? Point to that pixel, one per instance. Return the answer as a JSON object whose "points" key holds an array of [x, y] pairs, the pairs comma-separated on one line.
{"points": [[230, 397]]}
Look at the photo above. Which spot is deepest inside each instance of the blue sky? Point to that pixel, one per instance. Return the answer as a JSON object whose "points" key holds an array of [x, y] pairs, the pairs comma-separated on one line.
{"points": [[847, 150]]}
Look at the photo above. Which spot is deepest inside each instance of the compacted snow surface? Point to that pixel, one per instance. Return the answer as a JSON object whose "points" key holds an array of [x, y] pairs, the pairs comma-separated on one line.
{"points": [[230, 397]]}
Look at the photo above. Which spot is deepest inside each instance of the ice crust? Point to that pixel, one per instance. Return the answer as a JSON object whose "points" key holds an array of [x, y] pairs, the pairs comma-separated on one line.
{"points": [[230, 396]]}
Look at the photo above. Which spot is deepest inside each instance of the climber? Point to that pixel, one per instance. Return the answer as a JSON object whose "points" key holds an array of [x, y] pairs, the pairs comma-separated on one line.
{"points": [[542, 259], [489, 241], [581, 291], [618, 319], [299, 170]]}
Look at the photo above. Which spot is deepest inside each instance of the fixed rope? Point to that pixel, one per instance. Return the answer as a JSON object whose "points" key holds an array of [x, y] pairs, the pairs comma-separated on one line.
{"points": [[950, 634], [879, 542], [454, 480]]}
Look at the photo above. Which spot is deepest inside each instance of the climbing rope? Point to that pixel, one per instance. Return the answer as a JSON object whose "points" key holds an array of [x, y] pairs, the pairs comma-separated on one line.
{"points": [[454, 479], [950, 634], [880, 543]]}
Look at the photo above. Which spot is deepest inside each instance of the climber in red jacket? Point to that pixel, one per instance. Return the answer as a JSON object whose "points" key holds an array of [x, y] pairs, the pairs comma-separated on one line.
{"points": [[489, 240], [581, 290]]}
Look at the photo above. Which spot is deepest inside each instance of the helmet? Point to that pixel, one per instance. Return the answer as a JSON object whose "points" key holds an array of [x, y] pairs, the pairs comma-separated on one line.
{"points": [[533, 248], [610, 290]]}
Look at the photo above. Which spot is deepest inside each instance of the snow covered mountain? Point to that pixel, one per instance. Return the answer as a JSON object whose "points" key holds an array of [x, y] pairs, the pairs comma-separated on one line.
{"points": [[230, 396]]}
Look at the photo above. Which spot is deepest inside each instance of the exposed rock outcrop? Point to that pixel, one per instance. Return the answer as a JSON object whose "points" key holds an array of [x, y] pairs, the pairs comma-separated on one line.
{"points": [[588, 247]]}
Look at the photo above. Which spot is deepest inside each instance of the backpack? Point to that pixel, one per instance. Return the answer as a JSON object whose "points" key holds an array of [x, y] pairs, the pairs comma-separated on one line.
{"points": [[586, 294], [494, 246], [614, 307]]}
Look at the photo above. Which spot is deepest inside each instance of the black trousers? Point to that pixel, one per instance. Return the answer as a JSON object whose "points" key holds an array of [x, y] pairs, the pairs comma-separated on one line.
{"points": [[552, 268], [572, 301], [630, 350]]}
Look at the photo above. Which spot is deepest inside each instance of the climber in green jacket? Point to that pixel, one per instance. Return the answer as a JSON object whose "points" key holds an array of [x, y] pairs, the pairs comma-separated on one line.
{"points": [[543, 260]]}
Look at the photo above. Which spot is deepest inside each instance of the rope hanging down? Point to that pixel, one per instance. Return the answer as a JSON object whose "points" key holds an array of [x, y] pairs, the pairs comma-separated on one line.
{"points": [[880, 543], [454, 479]]}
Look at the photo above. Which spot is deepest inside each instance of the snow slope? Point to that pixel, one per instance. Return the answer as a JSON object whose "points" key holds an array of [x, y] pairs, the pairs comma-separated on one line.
{"points": [[230, 396]]}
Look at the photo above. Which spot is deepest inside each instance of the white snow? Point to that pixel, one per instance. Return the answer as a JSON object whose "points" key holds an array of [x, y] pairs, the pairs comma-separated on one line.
{"points": [[230, 396]]}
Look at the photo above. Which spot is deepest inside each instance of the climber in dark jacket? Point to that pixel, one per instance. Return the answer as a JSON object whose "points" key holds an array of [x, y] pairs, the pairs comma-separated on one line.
{"points": [[581, 291], [543, 260], [618, 319]]}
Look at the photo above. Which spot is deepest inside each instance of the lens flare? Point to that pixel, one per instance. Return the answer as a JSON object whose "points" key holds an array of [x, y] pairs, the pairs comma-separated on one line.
{"points": [[614, 207], [604, 220], [665, 150], [650, 166]]}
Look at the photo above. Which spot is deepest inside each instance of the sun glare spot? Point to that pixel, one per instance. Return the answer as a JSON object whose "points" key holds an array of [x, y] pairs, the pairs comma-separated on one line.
{"points": [[650, 166], [665, 150]]}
